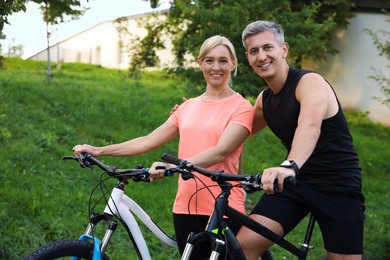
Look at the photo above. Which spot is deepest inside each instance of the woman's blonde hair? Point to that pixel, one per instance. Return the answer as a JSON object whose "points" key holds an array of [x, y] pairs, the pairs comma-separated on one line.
{"points": [[214, 41]]}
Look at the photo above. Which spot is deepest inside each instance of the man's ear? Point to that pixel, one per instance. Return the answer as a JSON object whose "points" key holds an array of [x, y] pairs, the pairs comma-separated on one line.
{"points": [[247, 58], [285, 48]]}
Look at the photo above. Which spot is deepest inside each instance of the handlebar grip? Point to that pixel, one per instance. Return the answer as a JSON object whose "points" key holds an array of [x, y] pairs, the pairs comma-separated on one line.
{"points": [[171, 159], [85, 154], [167, 172], [291, 180]]}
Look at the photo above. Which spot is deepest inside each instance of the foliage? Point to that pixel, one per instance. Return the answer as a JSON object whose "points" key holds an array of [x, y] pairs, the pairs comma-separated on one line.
{"points": [[15, 51], [142, 51], [9, 7], [381, 40], [56, 11], [308, 25], [153, 3], [6, 9], [43, 199]]}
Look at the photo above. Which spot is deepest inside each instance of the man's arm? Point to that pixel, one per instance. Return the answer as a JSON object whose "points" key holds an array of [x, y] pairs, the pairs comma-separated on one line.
{"points": [[317, 102], [176, 106], [258, 120]]}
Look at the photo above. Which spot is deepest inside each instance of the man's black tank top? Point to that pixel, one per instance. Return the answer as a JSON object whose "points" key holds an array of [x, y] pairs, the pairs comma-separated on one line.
{"points": [[334, 162]]}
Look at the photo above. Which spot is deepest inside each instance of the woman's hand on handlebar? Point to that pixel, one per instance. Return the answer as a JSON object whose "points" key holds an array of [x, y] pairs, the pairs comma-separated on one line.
{"points": [[270, 175], [85, 148], [157, 170]]}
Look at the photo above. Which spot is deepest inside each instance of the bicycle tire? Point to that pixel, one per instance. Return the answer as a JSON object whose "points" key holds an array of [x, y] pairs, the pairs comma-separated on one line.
{"points": [[63, 248]]}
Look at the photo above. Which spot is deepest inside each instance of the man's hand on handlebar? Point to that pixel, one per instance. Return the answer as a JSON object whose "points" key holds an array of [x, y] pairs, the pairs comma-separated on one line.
{"points": [[271, 174]]}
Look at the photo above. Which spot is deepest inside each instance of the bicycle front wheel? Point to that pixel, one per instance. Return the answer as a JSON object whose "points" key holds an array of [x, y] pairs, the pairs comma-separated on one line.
{"points": [[63, 250]]}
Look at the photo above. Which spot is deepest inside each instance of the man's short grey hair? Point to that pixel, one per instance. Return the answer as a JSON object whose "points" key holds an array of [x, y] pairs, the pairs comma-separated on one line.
{"points": [[262, 26]]}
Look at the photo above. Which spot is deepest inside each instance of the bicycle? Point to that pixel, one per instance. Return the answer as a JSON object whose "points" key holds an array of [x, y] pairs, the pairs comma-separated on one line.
{"points": [[218, 233], [118, 206]]}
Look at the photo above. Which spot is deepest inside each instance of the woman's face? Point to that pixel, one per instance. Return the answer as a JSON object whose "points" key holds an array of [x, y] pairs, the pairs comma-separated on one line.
{"points": [[217, 66]]}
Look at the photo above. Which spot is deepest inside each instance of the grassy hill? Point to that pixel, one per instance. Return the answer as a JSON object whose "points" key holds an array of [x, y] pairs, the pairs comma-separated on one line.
{"points": [[43, 198]]}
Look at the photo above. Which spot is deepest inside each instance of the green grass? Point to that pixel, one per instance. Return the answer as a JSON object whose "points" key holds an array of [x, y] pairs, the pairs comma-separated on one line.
{"points": [[43, 198]]}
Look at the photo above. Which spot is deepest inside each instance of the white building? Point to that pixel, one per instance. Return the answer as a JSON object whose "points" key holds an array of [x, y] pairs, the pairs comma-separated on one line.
{"points": [[104, 45], [348, 71]]}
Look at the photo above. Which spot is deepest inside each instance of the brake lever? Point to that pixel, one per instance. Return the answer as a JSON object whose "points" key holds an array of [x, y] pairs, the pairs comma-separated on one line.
{"points": [[185, 174], [81, 159], [255, 184], [145, 177]]}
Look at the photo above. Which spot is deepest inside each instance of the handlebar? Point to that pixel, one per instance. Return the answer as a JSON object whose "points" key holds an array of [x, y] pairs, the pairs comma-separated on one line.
{"points": [[215, 174], [250, 183], [86, 160]]}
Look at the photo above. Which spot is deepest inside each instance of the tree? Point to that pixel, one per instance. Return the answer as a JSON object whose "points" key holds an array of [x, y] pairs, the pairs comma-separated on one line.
{"points": [[6, 9], [16, 50], [308, 25], [381, 40], [55, 12], [142, 50], [153, 3]]}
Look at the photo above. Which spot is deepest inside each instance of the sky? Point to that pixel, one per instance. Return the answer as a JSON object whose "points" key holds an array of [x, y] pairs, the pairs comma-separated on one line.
{"points": [[29, 30]]}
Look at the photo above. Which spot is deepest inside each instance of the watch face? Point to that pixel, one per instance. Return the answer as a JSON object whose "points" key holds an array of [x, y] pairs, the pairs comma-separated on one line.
{"points": [[286, 163], [291, 164]]}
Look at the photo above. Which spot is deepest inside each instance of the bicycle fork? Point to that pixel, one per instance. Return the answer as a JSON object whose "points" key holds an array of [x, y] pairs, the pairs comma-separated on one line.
{"points": [[215, 230], [211, 234], [193, 239], [112, 225]]}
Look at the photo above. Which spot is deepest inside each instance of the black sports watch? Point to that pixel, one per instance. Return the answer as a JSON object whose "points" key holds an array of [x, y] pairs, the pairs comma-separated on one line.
{"points": [[291, 164]]}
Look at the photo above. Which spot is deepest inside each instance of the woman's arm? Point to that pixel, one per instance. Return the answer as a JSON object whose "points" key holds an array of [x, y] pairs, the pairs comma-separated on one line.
{"points": [[161, 135], [233, 136]]}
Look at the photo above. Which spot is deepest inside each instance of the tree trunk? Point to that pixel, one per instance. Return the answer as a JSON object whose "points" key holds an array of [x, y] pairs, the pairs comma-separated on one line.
{"points": [[48, 51]]}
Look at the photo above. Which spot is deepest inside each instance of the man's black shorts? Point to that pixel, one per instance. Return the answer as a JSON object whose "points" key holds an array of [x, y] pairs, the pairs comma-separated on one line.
{"points": [[340, 215]]}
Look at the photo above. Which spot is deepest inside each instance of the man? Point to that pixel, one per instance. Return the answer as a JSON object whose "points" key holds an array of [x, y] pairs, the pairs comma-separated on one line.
{"points": [[301, 108]]}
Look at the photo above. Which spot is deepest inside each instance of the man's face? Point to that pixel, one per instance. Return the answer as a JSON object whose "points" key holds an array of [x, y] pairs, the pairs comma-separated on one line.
{"points": [[265, 54]]}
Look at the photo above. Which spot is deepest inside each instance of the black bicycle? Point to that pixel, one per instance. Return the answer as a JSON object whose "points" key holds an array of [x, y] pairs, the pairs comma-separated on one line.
{"points": [[218, 233]]}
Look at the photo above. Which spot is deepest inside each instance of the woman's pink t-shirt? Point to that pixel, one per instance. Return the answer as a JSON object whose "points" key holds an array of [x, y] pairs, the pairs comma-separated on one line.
{"points": [[200, 124]]}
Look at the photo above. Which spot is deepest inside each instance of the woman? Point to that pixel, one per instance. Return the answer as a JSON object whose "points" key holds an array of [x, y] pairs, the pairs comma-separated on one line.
{"points": [[212, 128]]}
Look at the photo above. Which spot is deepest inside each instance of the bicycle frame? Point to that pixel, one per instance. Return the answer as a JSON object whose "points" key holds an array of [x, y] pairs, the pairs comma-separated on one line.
{"points": [[222, 209], [123, 207], [262, 230], [118, 206], [215, 223]]}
